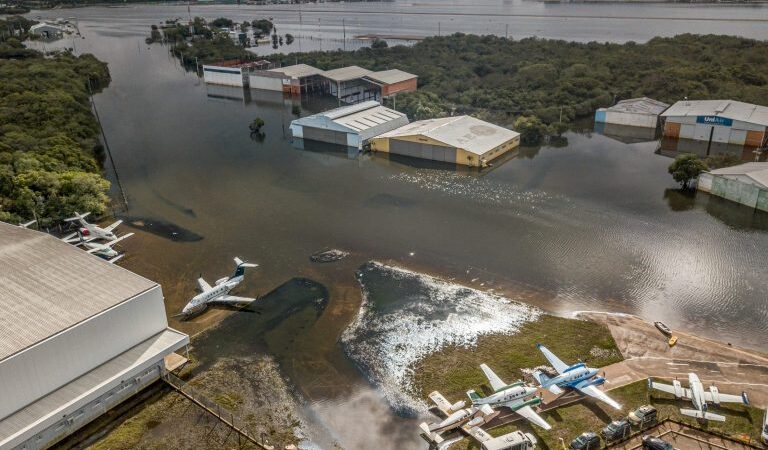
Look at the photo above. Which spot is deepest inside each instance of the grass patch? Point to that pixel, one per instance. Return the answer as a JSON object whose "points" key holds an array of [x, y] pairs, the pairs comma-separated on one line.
{"points": [[455, 369]]}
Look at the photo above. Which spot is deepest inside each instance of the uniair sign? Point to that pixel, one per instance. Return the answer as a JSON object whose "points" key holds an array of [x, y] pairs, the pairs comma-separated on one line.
{"points": [[714, 120]]}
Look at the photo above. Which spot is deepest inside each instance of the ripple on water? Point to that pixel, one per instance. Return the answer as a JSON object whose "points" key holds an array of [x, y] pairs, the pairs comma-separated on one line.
{"points": [[406, 316]]}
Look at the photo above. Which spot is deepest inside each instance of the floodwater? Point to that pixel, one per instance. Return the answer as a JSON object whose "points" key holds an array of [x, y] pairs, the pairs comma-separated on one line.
{"points": [[591, 224]]}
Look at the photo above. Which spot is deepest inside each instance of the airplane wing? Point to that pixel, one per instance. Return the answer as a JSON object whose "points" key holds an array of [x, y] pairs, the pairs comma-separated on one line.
{"points": [[593, 391], [125, 236], [94, 250], [203, 285], [69, 238], [477, 433], [494, 379], [116, 258], [669, 389], [531, 416], [441, 403], [558, 364], [702, 415], [726, 398], [113, 226], [232, 299]]}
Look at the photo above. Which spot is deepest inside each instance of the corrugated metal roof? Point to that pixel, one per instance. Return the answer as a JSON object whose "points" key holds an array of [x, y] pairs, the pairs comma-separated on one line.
{"points": [[298, 71], [466, 132], [391, 76], [642, 105], [49, 286], [369, 118], [346, 73], [51, 407], [731, 109], [757, 171]]}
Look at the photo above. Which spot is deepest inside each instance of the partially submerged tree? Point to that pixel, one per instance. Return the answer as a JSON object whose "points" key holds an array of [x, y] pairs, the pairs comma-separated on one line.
{"points": [[256, 125], [686, 168]]}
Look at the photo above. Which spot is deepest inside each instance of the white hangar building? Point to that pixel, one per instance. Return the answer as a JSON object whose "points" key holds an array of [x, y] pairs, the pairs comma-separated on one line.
{"points": [[77, 337], [726, 121], [351, 126]]}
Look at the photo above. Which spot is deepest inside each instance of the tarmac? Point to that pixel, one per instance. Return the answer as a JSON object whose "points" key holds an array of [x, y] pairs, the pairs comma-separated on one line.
{"points": [[683, 437]]}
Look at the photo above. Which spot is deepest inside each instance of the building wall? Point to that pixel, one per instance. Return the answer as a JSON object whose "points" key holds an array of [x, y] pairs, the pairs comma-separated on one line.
{"points": [[635, 120], [738, 132], [739, 191], [227, 76], [395, 88], [50, 364], [268, 83], [499, 150], [463, 156]]}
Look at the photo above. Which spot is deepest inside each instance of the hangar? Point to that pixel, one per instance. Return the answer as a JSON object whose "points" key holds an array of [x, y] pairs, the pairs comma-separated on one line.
{"points": [[351, 126], [637, 112], [461, 140], [725, 121], [77, 337]]}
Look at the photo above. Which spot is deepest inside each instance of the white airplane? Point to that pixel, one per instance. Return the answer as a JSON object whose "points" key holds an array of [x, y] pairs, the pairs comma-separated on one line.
{"points": [[105, 250], [90, 231], [219, 293], [578, 377], [698, 396], [457, 417], [512, 396]]}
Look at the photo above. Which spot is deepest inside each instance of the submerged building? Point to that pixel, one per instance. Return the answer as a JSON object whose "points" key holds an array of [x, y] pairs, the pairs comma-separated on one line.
{"points": [[636, 112], [724, 121], [78, 336], [746, 184], [350, 126], [460, 140]]}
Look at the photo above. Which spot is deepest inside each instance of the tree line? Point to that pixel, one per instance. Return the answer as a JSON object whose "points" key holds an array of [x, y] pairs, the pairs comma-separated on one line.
{"points": [[50, 157]]}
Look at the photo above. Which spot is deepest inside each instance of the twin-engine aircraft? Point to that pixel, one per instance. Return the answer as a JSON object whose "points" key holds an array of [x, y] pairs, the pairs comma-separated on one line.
{"points": [[89, 231], [699, 397]]}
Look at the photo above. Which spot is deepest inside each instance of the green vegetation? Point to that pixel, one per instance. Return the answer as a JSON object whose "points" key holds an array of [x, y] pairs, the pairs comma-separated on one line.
{"points": [[49, 150], [256, 125], [14, 30], [586, 415], [456, 369], [685, 168], [502, 79], [14, 9]]}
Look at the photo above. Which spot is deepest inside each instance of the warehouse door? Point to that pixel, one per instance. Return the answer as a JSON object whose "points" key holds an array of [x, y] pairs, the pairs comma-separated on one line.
{"points": [[687, 131], [722, 134], [323, 135], [422, 150], [702, 132]]}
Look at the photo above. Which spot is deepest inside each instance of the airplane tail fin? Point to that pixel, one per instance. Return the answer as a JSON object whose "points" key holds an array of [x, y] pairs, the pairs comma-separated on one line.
{"points": [[474, 396], [240, 267], [546, 382], [702, 415]]}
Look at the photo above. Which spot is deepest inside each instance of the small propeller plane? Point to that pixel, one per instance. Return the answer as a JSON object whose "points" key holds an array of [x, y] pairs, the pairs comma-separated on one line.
{"points": [[698, 396], [578, 376], [512, 396], [90, 231], [219, 293], [458, 416], [105, 250]]}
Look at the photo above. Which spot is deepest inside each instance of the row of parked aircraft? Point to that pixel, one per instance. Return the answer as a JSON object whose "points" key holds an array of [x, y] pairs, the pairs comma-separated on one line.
{"points": [[517, 397], [93, 238]]}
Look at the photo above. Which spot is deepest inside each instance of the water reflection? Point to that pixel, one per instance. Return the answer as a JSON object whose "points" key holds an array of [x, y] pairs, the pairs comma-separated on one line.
{"points": [[672, 147], [627, 134]]}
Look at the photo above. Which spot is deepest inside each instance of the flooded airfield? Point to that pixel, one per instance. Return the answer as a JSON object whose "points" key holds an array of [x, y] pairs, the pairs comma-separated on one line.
{"points": [[591, 224]]}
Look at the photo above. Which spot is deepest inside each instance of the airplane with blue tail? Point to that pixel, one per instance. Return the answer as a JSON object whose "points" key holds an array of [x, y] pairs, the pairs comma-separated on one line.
{"points": [[577, 377]]}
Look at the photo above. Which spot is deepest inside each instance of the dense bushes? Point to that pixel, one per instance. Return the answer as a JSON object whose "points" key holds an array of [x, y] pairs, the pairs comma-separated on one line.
{"points": [[503, 79], [48, 137]]}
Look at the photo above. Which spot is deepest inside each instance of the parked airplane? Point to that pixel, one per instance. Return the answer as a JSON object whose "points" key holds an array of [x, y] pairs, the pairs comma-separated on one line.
{"points": [[512, 396], [698, 396], [457, 416], [219, 293], [90, 231], [578, 376], [105, 250]]}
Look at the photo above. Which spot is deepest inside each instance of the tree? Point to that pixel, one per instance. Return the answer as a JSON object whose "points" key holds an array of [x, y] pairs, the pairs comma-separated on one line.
{"points": [[685, 168], [256, 125], [531, 129], [222, 22], [288, 38], [262, 26], [296, 110], [379, 43]]}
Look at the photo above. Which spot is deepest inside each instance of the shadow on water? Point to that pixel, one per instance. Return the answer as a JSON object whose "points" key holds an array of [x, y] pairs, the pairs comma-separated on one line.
{"points": [[273, 324], [730, 213], [162, 228]]}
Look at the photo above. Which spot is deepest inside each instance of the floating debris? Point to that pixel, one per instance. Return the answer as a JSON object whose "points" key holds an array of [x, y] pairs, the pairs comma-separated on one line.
{"points": [[327, 256]]}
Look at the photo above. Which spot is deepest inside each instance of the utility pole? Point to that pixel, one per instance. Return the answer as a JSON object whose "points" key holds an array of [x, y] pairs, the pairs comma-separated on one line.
{"points": [[506, 31], [438, 29], [344, 35]]}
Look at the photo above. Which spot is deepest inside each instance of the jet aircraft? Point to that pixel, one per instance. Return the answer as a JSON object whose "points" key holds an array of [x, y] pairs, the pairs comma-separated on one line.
{"points": [[577, 376], [699, 397], [512, 396], [219, 293], [90, 231]]}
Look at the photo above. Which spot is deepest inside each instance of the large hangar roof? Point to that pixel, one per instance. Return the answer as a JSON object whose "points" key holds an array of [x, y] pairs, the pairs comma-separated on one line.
{"points": [[731, 109], [642, 105], [757, 171], [390, 76], [49, 286], [366, 119], [466, 132], [298, 71], [346, 73]]}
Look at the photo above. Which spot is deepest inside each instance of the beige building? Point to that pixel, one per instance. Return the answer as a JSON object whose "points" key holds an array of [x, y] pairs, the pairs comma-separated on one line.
{"points": [[460, 140]]}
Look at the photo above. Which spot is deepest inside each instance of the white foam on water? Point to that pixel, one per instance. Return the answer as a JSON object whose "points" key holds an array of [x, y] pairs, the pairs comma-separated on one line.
{"points": [[386, 346]]}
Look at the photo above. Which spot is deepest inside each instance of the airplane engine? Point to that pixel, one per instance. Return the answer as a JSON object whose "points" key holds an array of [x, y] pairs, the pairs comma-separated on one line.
{"points": [[598, 381], [458, 405], [678, 389], [715, 395], [85, 232], [477, 421], [221, 280]]}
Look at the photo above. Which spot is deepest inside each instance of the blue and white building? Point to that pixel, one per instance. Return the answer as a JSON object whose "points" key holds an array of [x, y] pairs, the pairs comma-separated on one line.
{"points": [[724, 121]]}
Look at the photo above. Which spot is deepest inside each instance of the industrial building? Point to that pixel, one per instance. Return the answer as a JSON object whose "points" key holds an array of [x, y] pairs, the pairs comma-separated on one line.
{"points": [[354, 84], [460, 140], [232, 73], [351, 126], [46, 31], [391, 82], [724, 121], [296, 79], [746, 184], [77, 337], [637, 112]]}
